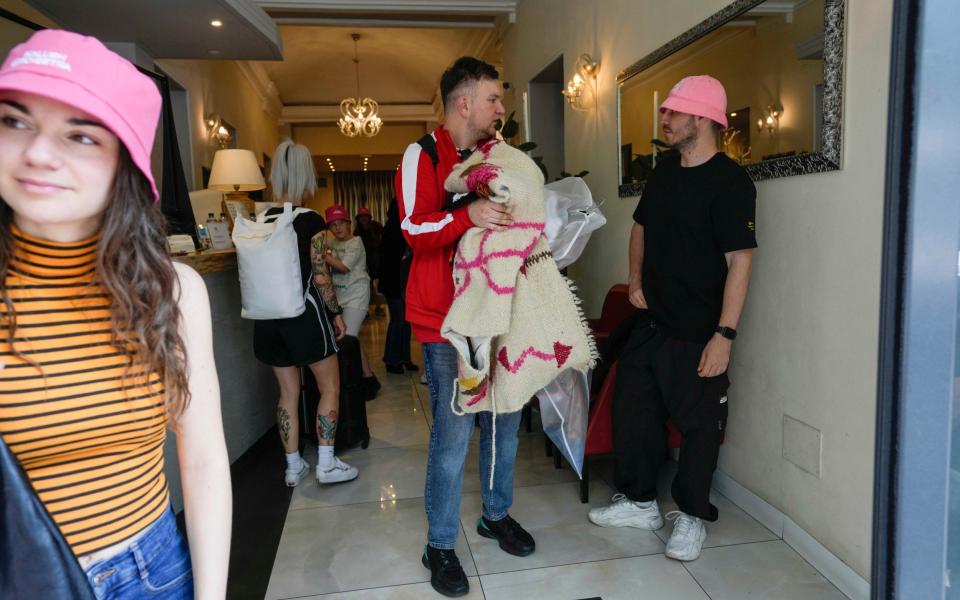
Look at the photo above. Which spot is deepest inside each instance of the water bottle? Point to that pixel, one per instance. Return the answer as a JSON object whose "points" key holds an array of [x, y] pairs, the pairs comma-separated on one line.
{"points": [[204, 236]]}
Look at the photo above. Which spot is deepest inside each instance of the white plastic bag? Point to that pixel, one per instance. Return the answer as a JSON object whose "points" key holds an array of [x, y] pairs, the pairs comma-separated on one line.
{"points": [[572, 216], [564, 410]]}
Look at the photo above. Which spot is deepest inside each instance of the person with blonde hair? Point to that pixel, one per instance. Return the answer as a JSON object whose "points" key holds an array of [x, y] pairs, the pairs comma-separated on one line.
{"points": [[309, 339]]}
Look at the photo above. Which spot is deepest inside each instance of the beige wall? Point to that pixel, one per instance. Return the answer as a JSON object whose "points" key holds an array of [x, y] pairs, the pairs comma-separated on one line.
{"points": [[219, 87], [809, 333]]}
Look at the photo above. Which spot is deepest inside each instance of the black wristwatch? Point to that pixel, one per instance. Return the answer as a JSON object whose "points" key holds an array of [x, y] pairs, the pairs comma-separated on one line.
{"points": [[728, 332]]}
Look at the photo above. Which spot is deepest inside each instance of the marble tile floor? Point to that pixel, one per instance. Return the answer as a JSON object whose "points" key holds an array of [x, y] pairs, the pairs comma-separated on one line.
{"points": [[363, 539]]}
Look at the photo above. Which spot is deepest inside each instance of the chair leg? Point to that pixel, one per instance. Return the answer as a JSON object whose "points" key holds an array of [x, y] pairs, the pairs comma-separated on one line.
{"points": [[557, 459], [547, 445], [527, 417], [585, 481]]}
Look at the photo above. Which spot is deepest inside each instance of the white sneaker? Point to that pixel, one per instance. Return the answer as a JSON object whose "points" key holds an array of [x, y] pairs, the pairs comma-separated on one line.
{"points": [[623, 512], [292, 478], [687, 537], [337, 472]]}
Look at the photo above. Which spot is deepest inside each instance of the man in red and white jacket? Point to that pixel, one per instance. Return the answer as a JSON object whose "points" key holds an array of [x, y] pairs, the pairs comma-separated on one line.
{"points": [[432, 222]]}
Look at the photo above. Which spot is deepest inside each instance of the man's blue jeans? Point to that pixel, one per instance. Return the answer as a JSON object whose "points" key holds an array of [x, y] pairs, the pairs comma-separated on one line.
{"points": [[449, 441]]}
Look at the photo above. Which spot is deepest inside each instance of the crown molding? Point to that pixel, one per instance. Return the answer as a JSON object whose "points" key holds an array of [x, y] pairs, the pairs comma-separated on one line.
{"points": [[451, 7], [264, 87]]}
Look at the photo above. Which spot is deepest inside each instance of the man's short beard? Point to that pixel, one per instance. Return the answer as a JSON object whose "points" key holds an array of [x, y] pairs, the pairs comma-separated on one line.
{"points": [[689, 139]]}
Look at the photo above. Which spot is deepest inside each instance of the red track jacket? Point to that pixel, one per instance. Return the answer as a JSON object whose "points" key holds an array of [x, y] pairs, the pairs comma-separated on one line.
{"points": [[432, 233]]}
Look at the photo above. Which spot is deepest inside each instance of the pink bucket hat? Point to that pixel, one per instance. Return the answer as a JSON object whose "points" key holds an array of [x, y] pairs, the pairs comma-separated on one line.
{"points": [[699, 95], [336, 213], [81, 72]]}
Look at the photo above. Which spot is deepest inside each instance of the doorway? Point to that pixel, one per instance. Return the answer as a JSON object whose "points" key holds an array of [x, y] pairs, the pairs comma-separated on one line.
{"points": [[546, 116]]}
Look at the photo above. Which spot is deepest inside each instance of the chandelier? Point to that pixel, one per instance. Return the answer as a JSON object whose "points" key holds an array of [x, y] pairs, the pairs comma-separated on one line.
{"points": [[359, 114]]}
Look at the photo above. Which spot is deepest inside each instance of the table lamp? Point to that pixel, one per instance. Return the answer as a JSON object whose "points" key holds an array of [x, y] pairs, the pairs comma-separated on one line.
{"points": [[235, 172]]}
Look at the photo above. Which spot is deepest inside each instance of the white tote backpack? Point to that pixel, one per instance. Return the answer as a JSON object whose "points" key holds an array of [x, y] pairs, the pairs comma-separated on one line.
{"points": [[269, 264]]}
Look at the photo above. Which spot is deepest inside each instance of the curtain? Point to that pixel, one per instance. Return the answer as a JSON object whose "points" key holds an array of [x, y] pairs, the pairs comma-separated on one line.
{"points": [[373, 189]]}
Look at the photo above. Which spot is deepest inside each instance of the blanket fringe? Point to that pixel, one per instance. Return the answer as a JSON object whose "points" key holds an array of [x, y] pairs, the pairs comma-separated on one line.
{"points": [[578, 302]]}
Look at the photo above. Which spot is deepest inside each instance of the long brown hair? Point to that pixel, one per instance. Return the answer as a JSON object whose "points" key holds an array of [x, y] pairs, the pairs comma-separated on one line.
{"points": [[134, 268]]}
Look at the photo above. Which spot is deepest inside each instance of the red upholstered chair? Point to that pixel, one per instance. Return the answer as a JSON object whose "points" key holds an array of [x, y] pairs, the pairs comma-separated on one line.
{"points": [[600, 430], [616, 308]]}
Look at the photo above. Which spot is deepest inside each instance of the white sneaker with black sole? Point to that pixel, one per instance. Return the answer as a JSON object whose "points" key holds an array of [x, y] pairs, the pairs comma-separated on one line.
{"points": [[687, 538], [293, 477], [623, 512], [337, 472]]}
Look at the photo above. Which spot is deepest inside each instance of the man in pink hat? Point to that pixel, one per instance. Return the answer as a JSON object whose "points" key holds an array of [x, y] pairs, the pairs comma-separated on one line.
{"points": [[690, 254]]}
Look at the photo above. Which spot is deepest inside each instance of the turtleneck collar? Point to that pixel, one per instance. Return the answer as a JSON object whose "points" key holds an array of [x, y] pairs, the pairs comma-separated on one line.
{"points": [[59, 262]]}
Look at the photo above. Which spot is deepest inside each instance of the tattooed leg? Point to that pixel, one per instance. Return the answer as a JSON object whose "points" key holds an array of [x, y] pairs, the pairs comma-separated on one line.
{"points": [[283, 424], [327, 427]]}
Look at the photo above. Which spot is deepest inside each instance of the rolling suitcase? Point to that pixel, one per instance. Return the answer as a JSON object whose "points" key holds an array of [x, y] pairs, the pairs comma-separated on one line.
{"points": [[352, 429]]}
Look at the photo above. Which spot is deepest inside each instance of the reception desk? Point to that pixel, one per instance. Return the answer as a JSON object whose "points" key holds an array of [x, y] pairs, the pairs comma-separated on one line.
{"points": [[248, 389]]}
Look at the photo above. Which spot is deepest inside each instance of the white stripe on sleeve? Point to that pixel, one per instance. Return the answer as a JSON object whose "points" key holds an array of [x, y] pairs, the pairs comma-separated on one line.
{"points": [[408, 177]]}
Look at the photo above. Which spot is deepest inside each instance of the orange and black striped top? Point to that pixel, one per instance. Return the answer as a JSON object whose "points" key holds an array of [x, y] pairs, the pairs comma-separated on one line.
{"points": [[88, 429]]}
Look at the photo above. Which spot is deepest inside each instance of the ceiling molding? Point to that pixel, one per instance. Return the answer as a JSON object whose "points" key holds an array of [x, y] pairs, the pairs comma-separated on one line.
{"points": [[474, 7], [404, 113], [259, 19], [265, 88], [399, 23]]}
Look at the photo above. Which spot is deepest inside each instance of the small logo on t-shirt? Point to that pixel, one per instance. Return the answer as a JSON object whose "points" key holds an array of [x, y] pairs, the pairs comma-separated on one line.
{"points": [[751, 226]]}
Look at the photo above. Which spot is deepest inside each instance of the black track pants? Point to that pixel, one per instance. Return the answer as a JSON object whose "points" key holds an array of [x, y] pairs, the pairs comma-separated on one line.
{"points": [[657, 380]]}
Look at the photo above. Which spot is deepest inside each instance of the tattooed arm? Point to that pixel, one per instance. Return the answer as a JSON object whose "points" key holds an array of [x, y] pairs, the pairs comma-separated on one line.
{"points": [[324, 282]]}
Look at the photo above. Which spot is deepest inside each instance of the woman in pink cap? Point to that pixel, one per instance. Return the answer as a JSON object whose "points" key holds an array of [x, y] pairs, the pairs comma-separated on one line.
{"points": [[105, 343], [348, 259]]}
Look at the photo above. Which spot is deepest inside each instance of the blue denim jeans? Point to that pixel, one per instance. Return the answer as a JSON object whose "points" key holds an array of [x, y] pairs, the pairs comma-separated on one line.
{"points": [[449, 441], [156, 566], [396, 349]]}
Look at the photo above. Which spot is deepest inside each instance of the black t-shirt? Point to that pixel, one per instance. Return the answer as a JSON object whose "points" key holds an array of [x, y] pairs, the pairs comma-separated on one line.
{"points": [[306, 225], [691, 217]]}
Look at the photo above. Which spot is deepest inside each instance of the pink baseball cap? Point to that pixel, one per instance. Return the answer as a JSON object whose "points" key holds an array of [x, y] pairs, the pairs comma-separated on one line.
{"points": [[363, 210], [80, 71], [699, 95], [336, 213]]}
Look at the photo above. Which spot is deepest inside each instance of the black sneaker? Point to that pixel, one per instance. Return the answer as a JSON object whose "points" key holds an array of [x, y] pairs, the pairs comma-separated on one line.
{"points": [[446, 574], [411, 367], [513, 538], [396, 369]]}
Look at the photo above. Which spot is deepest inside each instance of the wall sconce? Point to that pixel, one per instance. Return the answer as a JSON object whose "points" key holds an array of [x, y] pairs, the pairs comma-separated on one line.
{"points": [[771, 119], [586, 70], [217, 130]]}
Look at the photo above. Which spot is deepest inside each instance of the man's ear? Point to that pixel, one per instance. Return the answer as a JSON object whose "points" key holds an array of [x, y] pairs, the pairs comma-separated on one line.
{"points": [[463, 105]]}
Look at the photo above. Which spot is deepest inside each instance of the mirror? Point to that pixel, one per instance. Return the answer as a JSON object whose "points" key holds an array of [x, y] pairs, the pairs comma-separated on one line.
{"points": [[781, 64]]}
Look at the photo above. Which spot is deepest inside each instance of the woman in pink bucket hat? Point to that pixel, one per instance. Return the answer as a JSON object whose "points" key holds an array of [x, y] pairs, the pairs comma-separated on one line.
{"points": [[105, 343]]}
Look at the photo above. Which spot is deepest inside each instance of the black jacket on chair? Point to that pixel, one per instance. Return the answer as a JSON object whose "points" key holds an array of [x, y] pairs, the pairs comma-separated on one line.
{"points": [[35, 560]]}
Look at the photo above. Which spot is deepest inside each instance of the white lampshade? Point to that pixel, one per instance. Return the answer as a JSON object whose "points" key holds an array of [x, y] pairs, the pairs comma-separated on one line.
{"points": [[235, 171]]}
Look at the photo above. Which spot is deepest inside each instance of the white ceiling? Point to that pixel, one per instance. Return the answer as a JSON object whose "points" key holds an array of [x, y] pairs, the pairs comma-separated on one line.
{"points": [[397, 66], [173, 28]]}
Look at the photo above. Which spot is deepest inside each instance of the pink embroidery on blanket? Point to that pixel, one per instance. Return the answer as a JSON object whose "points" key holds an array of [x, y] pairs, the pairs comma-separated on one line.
{"points": [[480, 395], [481, 174], [561, 352], [487, 145], [483, 258]]}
